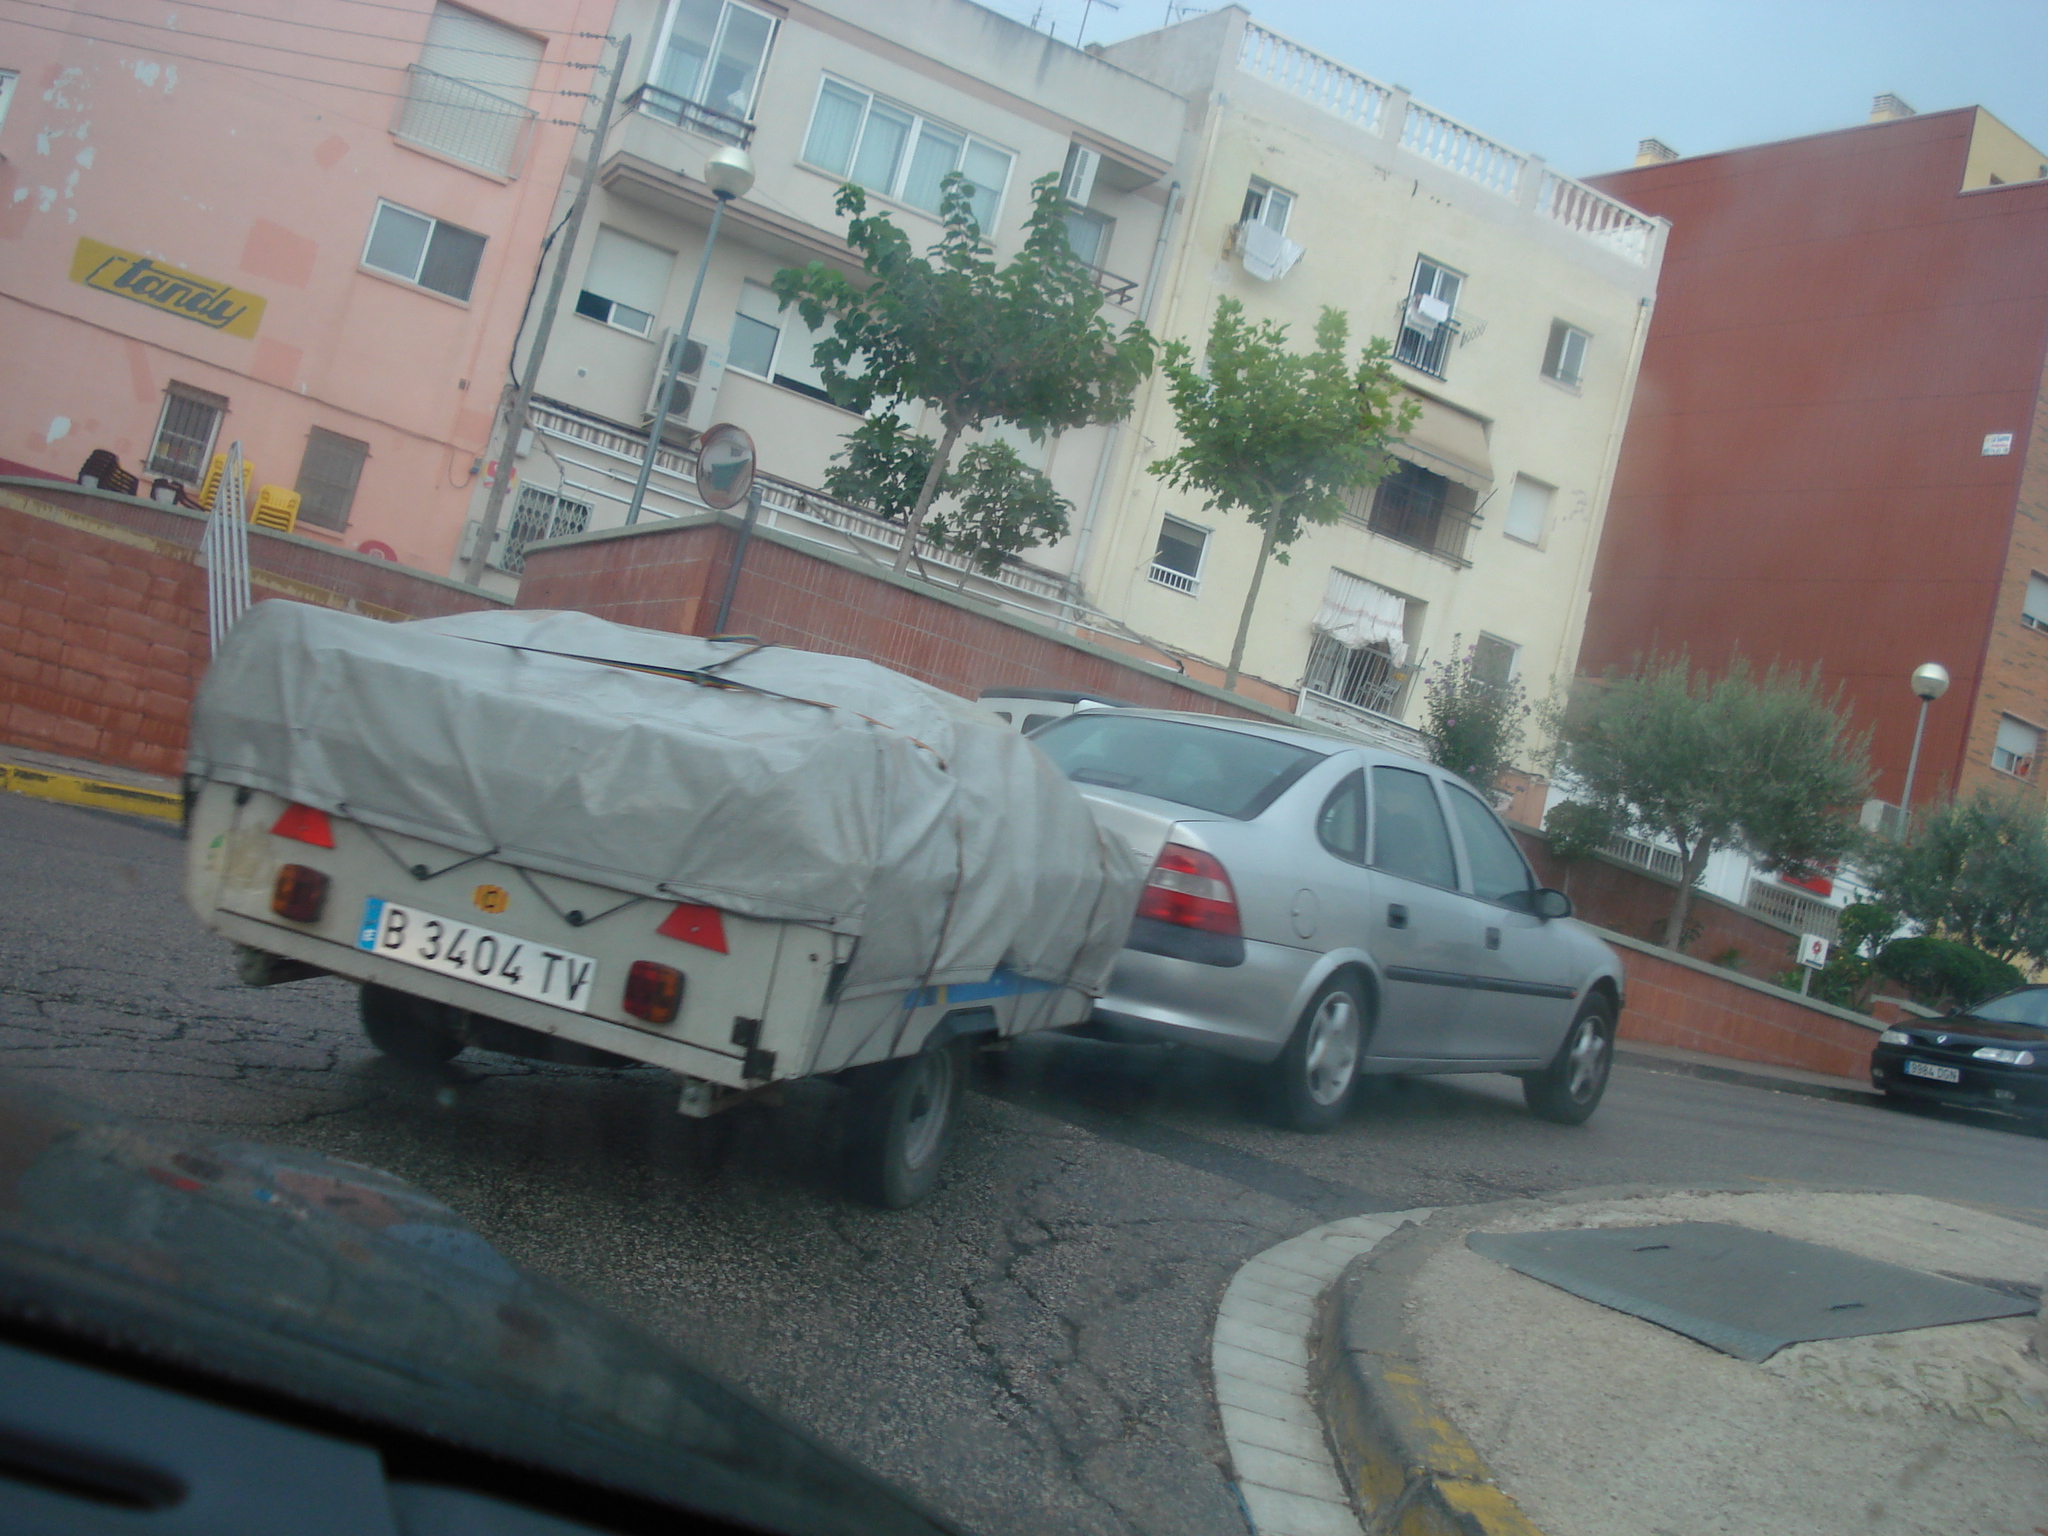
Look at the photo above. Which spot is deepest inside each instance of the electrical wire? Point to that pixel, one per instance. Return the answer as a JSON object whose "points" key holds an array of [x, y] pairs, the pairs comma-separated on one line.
{"points": [[414, 10], [321, 26], [237, 42], [276, 74]]}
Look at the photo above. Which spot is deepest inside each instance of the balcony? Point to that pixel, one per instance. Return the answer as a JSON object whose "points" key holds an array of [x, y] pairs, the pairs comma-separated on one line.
{"points": [[1426, 349], [681, 112], [1422, 510]]}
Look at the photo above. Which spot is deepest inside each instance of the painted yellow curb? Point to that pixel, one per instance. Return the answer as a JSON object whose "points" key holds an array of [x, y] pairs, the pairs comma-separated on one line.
{"points": [[99, 794]]}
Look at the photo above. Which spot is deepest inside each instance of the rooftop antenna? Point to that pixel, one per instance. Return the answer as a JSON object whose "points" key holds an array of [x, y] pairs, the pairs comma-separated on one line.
{"points": [[1081, 36]]}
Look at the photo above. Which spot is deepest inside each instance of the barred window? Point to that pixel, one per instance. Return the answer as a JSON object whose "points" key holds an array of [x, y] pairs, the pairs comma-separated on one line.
{"points": [[185, 432], [327, 478], [540, 515]]}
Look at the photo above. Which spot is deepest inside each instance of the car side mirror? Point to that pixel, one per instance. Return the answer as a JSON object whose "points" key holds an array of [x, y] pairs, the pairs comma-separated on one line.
{"points": [[1548, 904]]}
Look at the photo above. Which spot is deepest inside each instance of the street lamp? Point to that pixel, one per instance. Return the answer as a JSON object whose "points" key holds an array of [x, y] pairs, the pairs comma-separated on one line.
{"points": [[729, 174], [1930, 682]]}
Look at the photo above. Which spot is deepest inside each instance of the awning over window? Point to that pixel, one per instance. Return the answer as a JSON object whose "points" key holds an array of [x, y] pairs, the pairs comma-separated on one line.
{"points": [[1356, 613], [1449, 442]]}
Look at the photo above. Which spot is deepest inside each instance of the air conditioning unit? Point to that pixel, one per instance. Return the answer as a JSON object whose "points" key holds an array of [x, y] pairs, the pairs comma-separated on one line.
{"points": [[1077, 181], [694, 402], [473, 529]]}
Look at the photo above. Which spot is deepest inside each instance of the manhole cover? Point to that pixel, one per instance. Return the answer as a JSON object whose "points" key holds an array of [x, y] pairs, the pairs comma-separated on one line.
{"points": [[1744, 1292]]}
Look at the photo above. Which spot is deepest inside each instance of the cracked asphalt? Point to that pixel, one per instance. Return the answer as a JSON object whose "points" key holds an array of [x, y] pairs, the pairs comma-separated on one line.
{"points": [[1029, 1348]]}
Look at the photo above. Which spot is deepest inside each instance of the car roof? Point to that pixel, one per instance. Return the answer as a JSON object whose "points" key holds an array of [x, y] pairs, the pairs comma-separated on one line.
{"points": [[1309, 735]]}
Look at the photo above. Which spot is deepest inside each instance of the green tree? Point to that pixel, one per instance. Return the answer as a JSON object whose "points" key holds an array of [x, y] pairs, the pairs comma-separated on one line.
{"points": [[1280, 436], [999, 503], [978, 343], [1766, 764], [1975, 870], [1474, 723]]}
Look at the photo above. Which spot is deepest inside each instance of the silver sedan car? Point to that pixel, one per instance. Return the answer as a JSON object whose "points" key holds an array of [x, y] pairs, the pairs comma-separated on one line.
{"points": [[1329, 911]]}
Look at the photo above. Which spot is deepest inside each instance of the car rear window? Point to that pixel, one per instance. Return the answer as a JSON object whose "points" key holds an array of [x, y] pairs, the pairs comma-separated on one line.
{"points": [[1219, 771]]}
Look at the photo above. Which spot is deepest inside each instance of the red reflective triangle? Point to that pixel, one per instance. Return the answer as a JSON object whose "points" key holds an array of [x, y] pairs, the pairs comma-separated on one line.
{"points": [[303, 824], [694, 924]]}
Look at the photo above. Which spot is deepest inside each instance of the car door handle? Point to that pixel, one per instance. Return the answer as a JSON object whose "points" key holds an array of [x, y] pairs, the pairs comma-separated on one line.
{"points": [[1493, 938], [1397, 915]]}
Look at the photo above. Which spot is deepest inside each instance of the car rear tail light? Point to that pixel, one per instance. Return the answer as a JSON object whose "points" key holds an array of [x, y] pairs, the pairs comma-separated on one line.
{"points": [[653, 992], [303, 824], [1189, 889], [695, 924], [299, 894]]}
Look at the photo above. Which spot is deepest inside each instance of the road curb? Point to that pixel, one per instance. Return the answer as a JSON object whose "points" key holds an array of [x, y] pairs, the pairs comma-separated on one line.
{"points": [[1741, 1076], [97, 794], [1410, 1470]]}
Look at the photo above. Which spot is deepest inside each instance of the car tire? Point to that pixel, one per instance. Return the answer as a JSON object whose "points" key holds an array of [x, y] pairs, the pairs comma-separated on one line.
{"points": [[1570, 1088], [900, 1120], [408, 1029], [1310, 1085]]}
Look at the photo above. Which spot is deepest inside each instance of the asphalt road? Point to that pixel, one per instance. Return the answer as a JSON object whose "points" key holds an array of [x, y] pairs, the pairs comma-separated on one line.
{"points": [[1028, 1349]]}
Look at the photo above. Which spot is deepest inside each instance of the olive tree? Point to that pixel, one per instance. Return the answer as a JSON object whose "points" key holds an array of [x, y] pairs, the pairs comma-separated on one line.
{"points": [[1278, 435], [978, 343], [1762, 763], [1974, 870]]}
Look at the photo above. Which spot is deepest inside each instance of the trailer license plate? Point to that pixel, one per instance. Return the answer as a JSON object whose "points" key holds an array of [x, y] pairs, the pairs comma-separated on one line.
{"points": [[1929, 1069], [495, 960]]}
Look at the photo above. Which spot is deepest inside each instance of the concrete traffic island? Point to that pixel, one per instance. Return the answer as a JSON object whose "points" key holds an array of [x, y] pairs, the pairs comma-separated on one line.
{"points": [[1461, 1396]]}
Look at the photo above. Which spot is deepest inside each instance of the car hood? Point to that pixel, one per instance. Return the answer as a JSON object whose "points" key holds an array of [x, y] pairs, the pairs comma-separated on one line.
{"points": [[1963, 1031], [345, 1289]]}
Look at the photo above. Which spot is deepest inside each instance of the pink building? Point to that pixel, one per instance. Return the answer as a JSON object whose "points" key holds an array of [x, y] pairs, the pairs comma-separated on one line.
{"points": [[308, 227]]}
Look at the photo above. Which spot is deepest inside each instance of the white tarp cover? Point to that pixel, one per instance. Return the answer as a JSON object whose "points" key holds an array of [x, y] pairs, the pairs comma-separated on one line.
{"points": [[886, 809]]}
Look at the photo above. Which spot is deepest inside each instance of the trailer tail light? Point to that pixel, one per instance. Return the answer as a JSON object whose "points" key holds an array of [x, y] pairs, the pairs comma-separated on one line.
{"points": [[303, 824], [696, 924], [1188, 889], [653, 992], [300, 894]]}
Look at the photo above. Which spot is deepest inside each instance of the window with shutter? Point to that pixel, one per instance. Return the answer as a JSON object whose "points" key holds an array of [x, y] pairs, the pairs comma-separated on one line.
{"points": [[624, 282], [2017, 745], [328, 474], [2035, 614], [1528, 510]]}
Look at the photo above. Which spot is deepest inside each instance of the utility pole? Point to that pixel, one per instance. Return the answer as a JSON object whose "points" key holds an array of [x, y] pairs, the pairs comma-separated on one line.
{"points": [[522, 396]]}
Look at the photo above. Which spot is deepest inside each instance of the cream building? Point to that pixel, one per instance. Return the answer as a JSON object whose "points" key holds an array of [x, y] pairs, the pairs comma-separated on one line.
{"points": [[890, 93], [1517, 301]]}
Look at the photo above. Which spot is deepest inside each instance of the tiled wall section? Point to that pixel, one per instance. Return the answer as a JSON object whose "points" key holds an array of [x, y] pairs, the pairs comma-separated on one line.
{"points": [[103, 618], [672, 578], [1672, 1003]]}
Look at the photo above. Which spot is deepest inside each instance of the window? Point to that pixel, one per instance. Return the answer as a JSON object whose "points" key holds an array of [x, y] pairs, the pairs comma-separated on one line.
{"points": [[1340, 826], [540, 515], [1363, 677], [7, 80], [1493, 660], [1266, 204], [327, 478], [1528, 510], [1424, 510], [1565, 358], [2035, 614], [625, 282], [1497, 868], [185, 432], [1177, 562], [891, 150], [466, 98], [773, 343], [2018, 744], [1429, 318], [423, 250], [1211, 769], [711, 53], [1088, 236], [1409, 837]]}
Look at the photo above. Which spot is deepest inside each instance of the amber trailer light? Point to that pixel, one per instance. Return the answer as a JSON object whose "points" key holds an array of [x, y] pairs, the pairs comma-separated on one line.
{"points": [[300, 894], [653, 992]]}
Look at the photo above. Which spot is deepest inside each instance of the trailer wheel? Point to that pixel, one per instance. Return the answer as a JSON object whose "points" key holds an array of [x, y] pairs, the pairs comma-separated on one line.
{"points": [[900, 1120], [414, 1030]]}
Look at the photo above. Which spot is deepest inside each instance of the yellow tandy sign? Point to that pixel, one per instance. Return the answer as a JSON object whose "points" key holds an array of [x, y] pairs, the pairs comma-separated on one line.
{"points": [[171, 289]]}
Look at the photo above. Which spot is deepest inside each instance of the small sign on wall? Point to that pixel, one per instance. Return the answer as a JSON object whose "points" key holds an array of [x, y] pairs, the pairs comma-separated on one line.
{"points": [[1997, 444], [1813, 951]]}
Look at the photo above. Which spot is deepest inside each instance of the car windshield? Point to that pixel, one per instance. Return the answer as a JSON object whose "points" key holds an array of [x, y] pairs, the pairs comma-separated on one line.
{"points": [[2029, 1008], [1223, 771]]}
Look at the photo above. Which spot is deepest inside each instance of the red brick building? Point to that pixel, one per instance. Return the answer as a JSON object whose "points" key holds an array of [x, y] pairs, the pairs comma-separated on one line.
{"points": [[1838, 451]]}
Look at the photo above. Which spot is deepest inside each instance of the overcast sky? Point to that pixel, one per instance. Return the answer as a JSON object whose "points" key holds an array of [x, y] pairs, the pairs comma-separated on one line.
{"points": [[1580, 81]]}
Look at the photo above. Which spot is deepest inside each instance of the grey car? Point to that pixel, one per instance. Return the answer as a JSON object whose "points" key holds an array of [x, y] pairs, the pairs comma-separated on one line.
{"points": [[1328, 910]]}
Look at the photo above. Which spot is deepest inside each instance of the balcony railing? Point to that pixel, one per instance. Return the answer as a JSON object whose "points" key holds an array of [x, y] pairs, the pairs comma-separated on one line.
{"points": [[1599, 218], [457, 119], [681, 112], [1309, 75], [1118, 290], [1180, 581], [1800, 913], [1455, 147], [1437, 527], [1429, 350]]}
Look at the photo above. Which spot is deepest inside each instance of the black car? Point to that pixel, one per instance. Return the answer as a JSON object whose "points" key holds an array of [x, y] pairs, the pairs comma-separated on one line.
{"points": [[1990, 1056]]}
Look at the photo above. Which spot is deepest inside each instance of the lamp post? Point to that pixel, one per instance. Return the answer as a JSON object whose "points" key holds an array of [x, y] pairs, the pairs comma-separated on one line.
{"points": [[1929, 682], [729, 174]]}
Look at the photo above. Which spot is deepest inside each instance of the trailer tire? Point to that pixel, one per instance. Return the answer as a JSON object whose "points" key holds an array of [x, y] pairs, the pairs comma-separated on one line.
{"points": [[900, 1119], [413, 1030]]}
